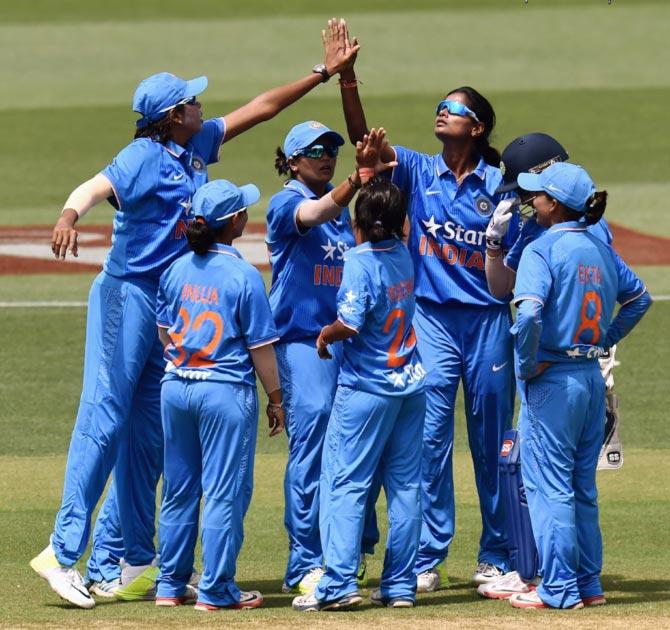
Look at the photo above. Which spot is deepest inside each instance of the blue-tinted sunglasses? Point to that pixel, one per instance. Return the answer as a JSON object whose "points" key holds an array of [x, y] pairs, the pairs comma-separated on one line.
{"points": [[316, 151], [457, 108]]}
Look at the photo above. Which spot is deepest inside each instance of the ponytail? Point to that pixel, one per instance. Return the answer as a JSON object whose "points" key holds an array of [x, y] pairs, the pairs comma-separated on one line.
{"points": [[486, 115], [200, 237], [380, 210], [281, 164], [595, 207]]}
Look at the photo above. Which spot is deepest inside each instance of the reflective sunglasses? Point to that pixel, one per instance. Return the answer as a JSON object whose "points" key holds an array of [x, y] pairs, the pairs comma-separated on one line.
{"points": [[457, 108], [191, 100], [316, 151]]}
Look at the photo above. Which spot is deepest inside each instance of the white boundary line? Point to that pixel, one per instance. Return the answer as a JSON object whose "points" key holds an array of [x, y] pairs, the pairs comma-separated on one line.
{"points": [[65, 304]]}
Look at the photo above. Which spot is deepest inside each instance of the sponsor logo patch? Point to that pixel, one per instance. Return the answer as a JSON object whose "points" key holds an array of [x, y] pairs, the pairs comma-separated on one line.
{"points": [[506, 448]]}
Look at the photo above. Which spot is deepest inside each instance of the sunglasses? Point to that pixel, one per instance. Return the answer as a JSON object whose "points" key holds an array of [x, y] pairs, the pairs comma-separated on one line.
{"points": [[188, 101], [457, 108], [316, 151], [526, 210]]}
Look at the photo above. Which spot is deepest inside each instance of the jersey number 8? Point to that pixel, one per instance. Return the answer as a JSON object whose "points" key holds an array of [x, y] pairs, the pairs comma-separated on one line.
{"points": [[587, 323]]}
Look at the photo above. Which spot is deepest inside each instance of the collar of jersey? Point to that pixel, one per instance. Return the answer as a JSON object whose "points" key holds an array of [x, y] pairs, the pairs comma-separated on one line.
{"points": [[220, 248], [441, 168], [305, 191], [176, 149], [571, 226]]}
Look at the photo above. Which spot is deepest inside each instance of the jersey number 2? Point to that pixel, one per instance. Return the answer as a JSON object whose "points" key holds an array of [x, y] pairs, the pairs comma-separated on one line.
{"points": [[590, 323], [199, 358], [395, 361]]}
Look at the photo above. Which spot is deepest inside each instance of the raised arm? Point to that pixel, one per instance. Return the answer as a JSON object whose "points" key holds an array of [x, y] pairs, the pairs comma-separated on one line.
{"points": [[354, 115], [268, 104], [80, 201], [368, 163]]}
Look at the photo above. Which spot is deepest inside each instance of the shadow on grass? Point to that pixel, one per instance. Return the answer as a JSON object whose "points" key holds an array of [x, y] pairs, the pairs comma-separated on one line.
{"points": [[635, 591]]}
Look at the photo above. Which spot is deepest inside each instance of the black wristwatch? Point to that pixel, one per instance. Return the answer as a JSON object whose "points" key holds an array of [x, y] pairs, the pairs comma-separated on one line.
{"points": [[320, 68]]}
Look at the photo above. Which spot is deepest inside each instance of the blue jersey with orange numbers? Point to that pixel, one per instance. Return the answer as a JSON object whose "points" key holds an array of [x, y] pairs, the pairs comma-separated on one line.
{"points": [[448, 223], [215, 309], [306, 265], [577, 279], [376, 299], [153, 186], [531, 230]]}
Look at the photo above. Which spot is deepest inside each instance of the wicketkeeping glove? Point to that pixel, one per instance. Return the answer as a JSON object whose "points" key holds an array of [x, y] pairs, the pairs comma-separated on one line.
{"points": [[499, 223]]}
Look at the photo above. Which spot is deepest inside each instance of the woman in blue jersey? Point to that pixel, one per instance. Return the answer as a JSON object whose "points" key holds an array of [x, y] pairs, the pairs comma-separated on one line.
{"points": [[462, 330], [309, 231], [566, 288], [378, 410], [151, 182], [215, 322]]}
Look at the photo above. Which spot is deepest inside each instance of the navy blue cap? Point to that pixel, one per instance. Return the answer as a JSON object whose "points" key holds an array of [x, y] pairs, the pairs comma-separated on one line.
{"points": [[217, 201], [568, 183], [303, 135], [161, 92], [530, 153]]}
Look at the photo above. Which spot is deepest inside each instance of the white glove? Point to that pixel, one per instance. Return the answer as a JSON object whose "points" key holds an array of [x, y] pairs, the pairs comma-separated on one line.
{"points": [[499, 223]]}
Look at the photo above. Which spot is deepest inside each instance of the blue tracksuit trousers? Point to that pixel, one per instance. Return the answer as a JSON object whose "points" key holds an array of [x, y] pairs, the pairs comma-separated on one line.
{"points": [[561, 426], [309, 384], [210, 440], [118, 422], [471, 344], [368, 433]]}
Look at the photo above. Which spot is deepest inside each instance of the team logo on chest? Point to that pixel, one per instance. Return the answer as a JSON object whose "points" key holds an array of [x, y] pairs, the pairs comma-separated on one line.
{"points": [[197, 164], [483, 205]]}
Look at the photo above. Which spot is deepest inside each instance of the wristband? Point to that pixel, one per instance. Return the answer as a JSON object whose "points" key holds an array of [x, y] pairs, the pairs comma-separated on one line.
{"points": [[493, 243], [366, 172], [349, 84], [353, 184], [275, 405]]}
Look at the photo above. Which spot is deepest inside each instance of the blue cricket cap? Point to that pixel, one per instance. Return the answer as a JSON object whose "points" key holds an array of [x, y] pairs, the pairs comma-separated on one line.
{"points": [[568, 183], [217, 201], [160, 92], [303, 135]]}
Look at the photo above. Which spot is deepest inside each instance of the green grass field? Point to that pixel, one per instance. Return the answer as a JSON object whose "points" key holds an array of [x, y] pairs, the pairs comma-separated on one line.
{"points": [[592, 74]]}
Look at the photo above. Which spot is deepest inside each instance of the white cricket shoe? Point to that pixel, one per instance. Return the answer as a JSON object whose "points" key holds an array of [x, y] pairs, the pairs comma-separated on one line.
{"points": [[104, 588], [505, 586], [486, 572], [390, 602], [307, 584], [65, 581], [434, 579]]}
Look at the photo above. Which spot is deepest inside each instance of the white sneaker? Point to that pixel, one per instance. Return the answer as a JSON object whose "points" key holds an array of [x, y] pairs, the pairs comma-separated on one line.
{"points": [[65, 581], [105, 588], [434, 579], [307, 584], [390, 602], [486, 572], [309, 603], [505, 586]]}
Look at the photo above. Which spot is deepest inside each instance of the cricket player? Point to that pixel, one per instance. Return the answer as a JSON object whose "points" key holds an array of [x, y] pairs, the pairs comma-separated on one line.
{"points": [[308, 234], [377, 417], [462, 330], [151, 183], [567, 284], [215, 322]]}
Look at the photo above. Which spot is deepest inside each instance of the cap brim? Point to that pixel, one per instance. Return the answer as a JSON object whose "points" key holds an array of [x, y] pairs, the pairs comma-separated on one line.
{"points": [[503, 188], [332, 135], [530, 181], [195, 86]]}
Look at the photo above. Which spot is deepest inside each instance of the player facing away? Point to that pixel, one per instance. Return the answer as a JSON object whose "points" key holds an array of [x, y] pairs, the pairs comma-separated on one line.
{"points": [[151, 182], [530, 153], [462, 330], [309, 231], [377, 419], [566, 287], [215, 322]]}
